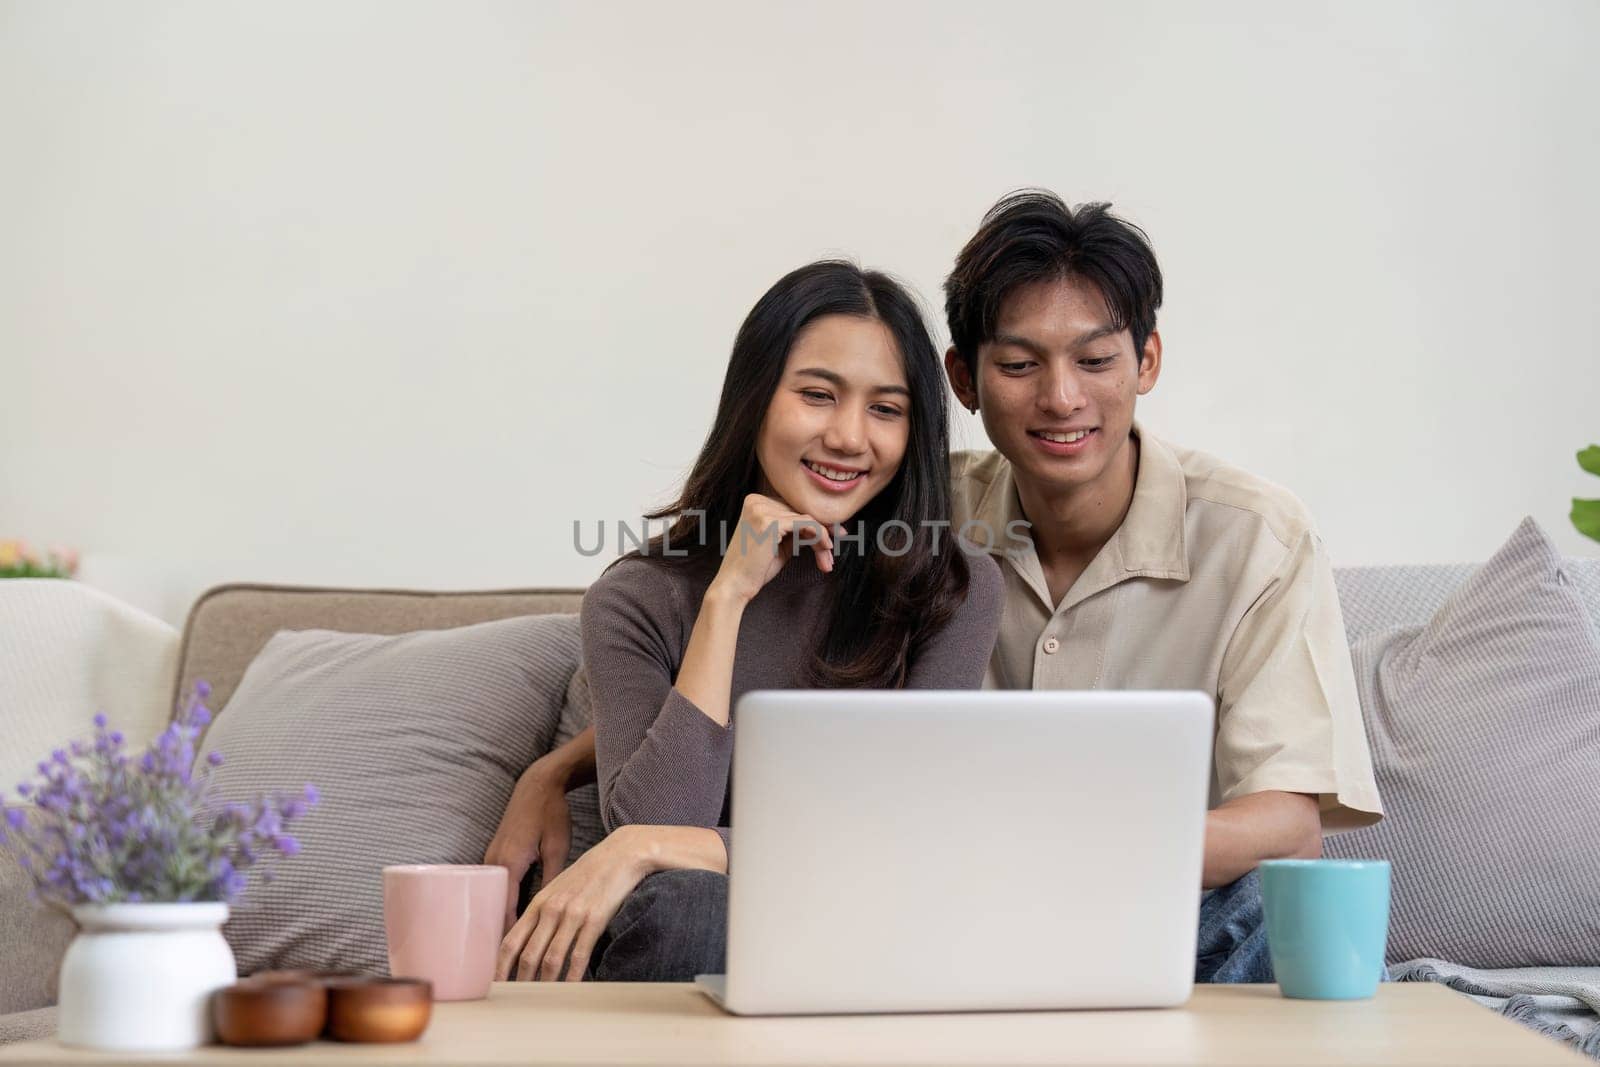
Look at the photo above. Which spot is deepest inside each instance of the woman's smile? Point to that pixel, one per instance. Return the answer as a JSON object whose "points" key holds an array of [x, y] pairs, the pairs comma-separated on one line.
{"points": [[833, 478]]}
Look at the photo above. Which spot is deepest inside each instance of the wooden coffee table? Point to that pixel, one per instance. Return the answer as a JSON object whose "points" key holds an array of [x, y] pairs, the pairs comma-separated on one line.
{"points": [[536, 1023]]}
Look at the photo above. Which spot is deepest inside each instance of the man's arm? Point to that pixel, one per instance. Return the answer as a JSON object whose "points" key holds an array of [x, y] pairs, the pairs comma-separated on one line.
{"points": [[1291, 751], [1270, 825], [536, 823], [572, 765]]}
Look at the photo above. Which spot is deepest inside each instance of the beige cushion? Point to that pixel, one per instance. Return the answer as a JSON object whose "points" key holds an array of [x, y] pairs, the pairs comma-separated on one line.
{"points": [[68, 651], [414, 740]]}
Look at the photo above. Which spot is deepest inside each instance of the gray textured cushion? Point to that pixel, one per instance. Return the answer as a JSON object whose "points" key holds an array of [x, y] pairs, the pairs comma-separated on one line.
{"points": [[1381, 598], [1485, 733], [414, 741]]}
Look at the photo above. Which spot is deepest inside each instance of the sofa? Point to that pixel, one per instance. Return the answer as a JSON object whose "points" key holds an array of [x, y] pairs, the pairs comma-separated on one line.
{"points": [[230, 624]]}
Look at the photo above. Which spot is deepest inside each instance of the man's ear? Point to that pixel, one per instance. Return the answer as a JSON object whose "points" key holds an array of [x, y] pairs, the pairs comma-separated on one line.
{"points": [[955, 368], [1150, 363]]}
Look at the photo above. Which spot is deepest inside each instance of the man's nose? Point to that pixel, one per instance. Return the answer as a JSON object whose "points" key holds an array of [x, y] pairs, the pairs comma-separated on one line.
{"points": [[1060, 392]]}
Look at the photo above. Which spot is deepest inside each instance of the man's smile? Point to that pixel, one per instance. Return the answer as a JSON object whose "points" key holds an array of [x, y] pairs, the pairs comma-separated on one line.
{"points": [[1063, 442]]}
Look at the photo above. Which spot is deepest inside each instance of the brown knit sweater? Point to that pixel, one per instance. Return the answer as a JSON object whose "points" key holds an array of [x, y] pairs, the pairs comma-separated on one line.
{"points": [[661, 760]]}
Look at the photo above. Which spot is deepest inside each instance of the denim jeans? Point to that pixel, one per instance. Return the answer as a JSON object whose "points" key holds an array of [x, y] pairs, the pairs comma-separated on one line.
{"points": [[674, 925], [1232, 946]]}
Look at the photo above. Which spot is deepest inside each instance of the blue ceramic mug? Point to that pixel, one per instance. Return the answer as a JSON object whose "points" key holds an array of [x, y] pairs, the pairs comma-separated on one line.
{"points": [[1327, 926]]}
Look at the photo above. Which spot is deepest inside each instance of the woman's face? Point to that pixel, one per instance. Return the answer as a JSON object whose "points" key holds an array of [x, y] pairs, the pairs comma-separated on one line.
{"points": [[836, 429]]}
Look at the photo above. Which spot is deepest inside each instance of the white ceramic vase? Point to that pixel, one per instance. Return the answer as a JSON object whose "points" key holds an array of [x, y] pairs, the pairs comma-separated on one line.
{"points": [[139, 977]]}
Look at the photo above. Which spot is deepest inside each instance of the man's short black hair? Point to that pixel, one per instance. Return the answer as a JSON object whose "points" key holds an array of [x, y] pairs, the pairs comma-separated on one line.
{"points": [[1031, 235]]}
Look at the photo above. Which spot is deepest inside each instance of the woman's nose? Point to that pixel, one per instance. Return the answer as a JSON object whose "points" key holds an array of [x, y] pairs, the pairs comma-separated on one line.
{"points": [[847, 432]]}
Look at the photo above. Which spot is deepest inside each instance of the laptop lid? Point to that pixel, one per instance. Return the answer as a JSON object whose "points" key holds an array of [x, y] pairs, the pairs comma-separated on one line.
{"points": [[971, 850]]}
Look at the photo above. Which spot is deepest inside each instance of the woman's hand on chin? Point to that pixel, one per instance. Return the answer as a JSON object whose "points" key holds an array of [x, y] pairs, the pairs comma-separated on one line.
{"points": [[558, 930], [762, 543]]}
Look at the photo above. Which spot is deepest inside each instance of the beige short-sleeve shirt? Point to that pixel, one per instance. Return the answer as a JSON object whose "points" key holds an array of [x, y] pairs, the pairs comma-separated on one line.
{"points": [[1217, 581]]}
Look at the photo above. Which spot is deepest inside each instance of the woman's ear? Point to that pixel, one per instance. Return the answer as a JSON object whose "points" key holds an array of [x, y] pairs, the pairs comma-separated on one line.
{"points": [[955, 368]]}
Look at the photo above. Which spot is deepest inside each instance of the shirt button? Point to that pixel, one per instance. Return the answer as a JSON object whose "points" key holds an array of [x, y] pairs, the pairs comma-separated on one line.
{"points": [[1051, 644]]}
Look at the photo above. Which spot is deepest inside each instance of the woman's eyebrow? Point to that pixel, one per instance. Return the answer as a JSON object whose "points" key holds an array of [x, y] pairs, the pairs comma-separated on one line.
{"points": [[836, 379]]}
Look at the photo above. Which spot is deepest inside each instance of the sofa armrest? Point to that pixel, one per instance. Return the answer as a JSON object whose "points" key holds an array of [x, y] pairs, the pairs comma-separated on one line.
{"points": [[33, 938], [35, 1025]]}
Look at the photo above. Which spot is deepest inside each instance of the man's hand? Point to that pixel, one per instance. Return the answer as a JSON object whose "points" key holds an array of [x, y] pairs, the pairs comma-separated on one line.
{"points": [[535, 826], [564, 920]]}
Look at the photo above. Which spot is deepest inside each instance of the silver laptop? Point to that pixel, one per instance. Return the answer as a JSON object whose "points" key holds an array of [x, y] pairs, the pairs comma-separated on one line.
{"points": [[899, 851]]}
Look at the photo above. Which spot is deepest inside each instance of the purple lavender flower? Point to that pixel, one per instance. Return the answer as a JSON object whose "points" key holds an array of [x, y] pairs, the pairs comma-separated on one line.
{"points": [[115, 829]]}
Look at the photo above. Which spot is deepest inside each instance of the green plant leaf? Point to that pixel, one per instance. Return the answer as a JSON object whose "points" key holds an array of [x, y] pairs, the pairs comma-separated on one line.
{"points": [[1586, 517], [1589, 459]]}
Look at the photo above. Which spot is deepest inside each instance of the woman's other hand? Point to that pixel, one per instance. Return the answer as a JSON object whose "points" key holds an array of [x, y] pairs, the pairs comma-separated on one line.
{"points": [[564, 920]]}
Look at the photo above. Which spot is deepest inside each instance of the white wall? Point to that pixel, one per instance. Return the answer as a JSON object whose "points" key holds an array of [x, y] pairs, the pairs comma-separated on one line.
{"points": [[391, 293]]}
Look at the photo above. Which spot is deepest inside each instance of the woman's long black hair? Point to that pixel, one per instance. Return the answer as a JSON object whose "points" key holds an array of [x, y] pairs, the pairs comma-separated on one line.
{"points": [[885, 603]]}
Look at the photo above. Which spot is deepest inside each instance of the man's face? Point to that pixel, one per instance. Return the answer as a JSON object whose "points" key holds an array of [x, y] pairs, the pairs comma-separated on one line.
{"points": [[1056, 385]]}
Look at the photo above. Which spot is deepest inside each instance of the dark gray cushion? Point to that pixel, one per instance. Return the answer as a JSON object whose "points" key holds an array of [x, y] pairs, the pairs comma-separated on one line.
{"points": [[414, 741], [1485, 733]]}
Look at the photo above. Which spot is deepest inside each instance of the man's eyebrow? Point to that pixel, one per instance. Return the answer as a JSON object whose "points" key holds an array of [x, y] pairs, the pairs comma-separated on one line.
{"points": [[1094, 335], [835, 379], [1013, 340], [1030, 345]]}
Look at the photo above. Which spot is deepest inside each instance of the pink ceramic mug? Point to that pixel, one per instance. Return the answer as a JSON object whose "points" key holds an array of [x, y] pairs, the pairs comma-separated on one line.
{"points": [[444, 923]]}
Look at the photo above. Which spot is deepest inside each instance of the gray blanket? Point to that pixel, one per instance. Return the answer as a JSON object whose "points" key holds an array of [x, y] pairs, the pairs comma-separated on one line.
{"points": [[1561, 1002]]}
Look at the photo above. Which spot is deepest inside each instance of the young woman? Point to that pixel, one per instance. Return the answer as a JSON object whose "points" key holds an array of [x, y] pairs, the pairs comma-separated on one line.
{"points": [[810, 547]]}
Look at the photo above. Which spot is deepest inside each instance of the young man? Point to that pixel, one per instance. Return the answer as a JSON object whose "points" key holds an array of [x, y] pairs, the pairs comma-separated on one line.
{"points": [[1146, 566]]}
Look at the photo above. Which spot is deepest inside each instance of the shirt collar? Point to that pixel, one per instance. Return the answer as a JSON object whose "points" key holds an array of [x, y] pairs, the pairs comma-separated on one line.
{"points": [[1151, 541]]}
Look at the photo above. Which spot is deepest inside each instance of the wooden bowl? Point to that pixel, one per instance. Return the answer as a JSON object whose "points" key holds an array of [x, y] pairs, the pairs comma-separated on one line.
{"points": [[379, 1009], [278, 1012]]}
